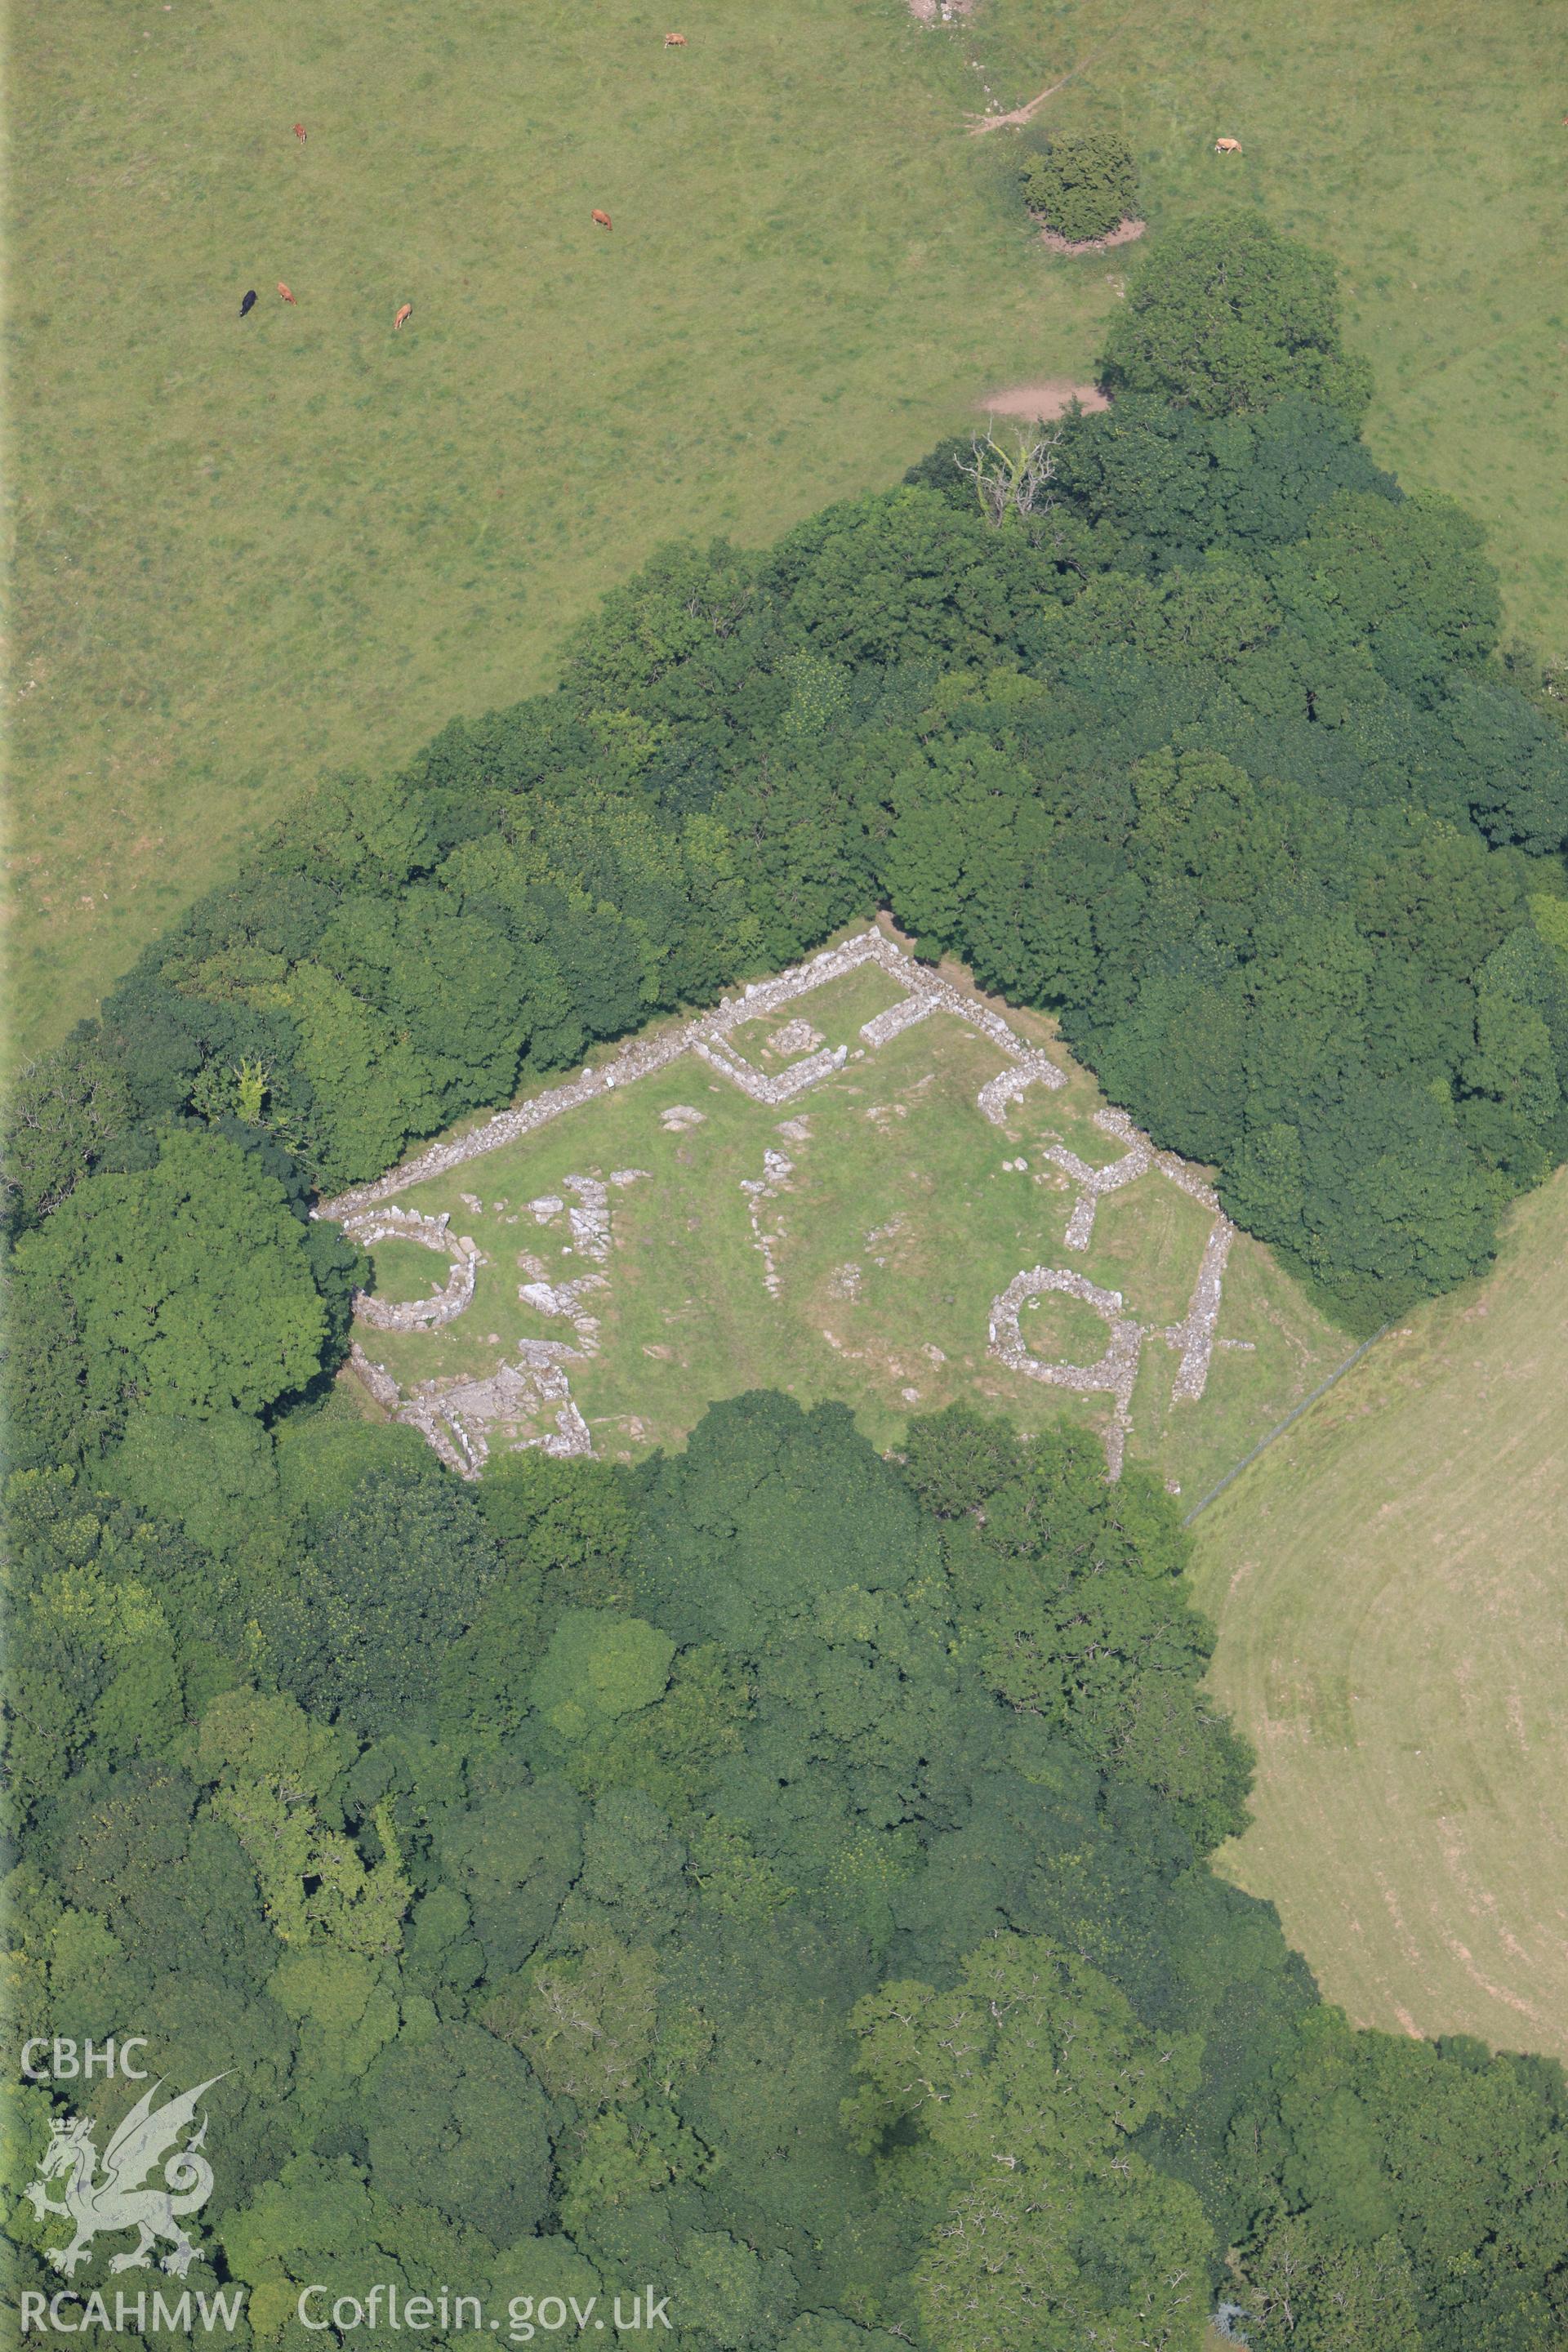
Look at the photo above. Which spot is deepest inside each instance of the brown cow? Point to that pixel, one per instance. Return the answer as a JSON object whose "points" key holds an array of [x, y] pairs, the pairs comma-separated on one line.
{"points": [[403, 317], [1227, 146], [284, 291], [675, 40], [602, 220], [299, 132]]}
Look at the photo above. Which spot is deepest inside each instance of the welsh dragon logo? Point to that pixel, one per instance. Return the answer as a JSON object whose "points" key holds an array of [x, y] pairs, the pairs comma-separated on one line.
{"points": [[116, 2199]]}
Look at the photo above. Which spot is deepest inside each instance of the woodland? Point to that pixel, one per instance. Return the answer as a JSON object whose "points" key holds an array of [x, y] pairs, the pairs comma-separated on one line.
{"points": [[779, 1872]]}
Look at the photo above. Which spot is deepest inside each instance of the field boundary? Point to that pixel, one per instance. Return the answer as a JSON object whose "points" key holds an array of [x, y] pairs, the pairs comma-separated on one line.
{"points": [[1279, 1427]]}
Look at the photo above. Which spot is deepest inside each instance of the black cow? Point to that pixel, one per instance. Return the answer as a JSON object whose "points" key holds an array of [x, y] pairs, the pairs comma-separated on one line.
{"points": [[249, 304]]}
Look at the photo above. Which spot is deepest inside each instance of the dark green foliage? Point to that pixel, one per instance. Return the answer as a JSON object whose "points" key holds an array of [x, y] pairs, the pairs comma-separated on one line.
{"points": [[768, 1791], [1170, 482], [61, 1112], [1422, 2187], [569, 1522], [1225, 314], [397, 1572], [899, 579], [458, 2122], [1083, 184], [1300, 996], [188, 1286]]}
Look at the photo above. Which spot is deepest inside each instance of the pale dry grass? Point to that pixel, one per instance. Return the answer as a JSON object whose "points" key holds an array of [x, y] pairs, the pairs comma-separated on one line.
{"points": [[1390, 1582]]}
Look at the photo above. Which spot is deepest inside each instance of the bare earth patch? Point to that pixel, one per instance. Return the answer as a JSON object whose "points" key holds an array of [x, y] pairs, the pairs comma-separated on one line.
{"points": [[1125, 233], [1042, 403]]}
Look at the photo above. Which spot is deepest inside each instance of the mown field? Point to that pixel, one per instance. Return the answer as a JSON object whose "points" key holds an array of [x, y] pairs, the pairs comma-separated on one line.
{"points": [[1391, 1585], [249, 552], [902, 1215]]}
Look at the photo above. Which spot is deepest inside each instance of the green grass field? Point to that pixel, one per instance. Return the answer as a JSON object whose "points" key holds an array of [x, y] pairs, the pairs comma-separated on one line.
{"points": [[1423, 146], [251, 552], [1390, 1582], [902, 1214]]}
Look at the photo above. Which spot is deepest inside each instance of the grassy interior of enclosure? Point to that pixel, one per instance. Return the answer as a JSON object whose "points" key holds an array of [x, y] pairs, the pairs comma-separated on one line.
{"points": [[1391, 1585], [901, 1218]]}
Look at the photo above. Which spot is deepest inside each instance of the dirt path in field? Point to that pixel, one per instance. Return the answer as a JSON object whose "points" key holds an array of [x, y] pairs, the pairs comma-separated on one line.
{"points": [[1042, 403], [979, 123]]}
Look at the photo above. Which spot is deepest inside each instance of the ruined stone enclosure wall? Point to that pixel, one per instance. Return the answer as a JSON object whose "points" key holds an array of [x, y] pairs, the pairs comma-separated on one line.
{"points": [[708, 1035], [462, 1418], [370, 1226]]}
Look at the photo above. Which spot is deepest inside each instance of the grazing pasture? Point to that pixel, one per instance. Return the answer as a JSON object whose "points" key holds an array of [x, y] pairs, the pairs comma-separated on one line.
{"points": [[245, 558], [251, 552], [1390, 1581]]}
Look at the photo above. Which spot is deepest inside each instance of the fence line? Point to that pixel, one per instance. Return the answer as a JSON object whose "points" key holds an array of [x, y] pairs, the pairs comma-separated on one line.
{"points": [[1281, 1426]]}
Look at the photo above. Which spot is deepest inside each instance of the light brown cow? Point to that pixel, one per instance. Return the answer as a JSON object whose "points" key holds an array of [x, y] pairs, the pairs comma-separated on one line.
{"points": [[1227, 146], [602, 220], [675, 40], [403, 317], [284, 291], [299, 132]]}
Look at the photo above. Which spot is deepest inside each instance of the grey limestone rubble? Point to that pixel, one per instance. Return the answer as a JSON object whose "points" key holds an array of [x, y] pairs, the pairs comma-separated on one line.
{"points": [[896, 1018], [590, 1220], [1116, 1370], [795, 1037], [764, 1090], [429, 1232], [777, 1169], [461, 1418], [640, 1057]]}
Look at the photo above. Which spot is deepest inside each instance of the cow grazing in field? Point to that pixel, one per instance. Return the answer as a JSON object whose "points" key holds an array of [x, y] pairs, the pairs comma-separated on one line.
{"points": [[248, 303], [675, 40], [1227, 146], [284, 291], [602, 220], [403, 317], [299, 132]]}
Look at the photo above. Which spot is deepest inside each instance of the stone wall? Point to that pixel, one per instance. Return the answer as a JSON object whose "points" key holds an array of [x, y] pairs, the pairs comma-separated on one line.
{"points": [[386, 1224], [708, 1035]]}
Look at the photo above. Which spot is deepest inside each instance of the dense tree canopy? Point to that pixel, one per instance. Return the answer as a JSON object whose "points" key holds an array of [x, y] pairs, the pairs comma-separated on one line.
{"points": [[801, 1904], [188, 1284], [1227, 314], [780, 1873], [1082, 184]]}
